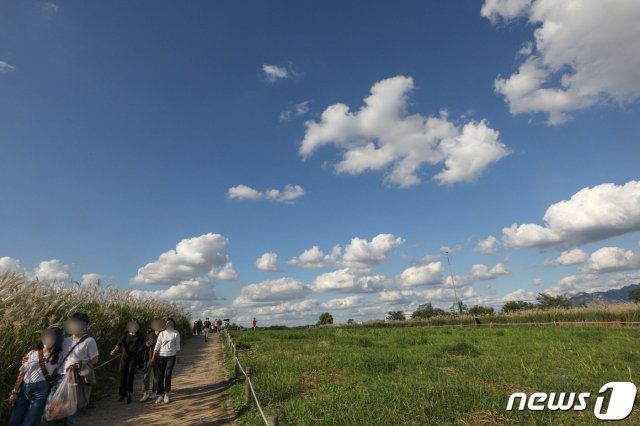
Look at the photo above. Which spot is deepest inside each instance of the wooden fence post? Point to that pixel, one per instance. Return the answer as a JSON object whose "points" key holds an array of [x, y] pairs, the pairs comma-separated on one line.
{"points": [[247, 386], [236, 365], [272, 421]]}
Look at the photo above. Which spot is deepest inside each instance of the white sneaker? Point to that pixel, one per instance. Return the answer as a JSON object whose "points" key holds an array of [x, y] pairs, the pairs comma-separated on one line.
{"points": [[145, 397], [166, 399], [159, 399]]}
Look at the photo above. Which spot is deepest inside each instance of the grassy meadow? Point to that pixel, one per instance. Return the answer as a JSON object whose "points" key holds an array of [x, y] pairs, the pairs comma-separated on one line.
{"points": [[28, 307], [421, 376]]}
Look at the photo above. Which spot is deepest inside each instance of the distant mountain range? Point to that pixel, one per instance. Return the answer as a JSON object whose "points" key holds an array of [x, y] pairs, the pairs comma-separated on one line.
{"points": [[620, 295]]}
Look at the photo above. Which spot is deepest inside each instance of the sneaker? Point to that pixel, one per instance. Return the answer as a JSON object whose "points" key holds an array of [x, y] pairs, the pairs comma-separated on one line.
{"points": [[145, 397], [159, 399], [166, 399]]}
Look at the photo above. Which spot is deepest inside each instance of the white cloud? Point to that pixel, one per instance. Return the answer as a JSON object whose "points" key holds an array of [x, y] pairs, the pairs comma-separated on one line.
{"points": [[52, 270], [362, 254], [268, 262], [577, 60], [190, 290], [10, 264], [483, 272], [273, 73], [297, 110], [488, 246], [429, 274], [359, 255], [537, 281], [90, 279], [569, 257], [287, 195], [270, 292], [382, 136], [591, 214], [314, 258], [520, 294], [202, 257], [612, 259], [6, 68], [286, 308], [347, 280], [344, 302]]}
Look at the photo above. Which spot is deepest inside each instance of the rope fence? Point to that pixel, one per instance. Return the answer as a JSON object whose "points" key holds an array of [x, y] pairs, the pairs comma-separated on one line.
{"points": [[249, 391]]}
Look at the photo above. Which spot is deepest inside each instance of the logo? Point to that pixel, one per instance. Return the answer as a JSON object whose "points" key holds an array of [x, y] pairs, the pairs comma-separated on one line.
{"points": [[621, 398]]}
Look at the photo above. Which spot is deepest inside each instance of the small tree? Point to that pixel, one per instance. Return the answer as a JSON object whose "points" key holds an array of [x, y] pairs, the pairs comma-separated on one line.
{"points": [[635, 295], [426, 310], [396, 316], [351, 321], [481, 310], [517, 305], [546, 301], [325, 318]]}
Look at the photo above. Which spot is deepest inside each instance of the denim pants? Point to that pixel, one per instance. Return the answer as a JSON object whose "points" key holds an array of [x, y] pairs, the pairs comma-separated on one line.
{"points": [[30, 404], [150, 377]]}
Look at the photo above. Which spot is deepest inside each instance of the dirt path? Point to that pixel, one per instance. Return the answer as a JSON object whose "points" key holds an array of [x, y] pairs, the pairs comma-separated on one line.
{"points": [[197, 398]]}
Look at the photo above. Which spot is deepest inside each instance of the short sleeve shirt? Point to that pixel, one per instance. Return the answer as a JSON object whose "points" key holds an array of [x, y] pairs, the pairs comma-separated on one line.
{"points": [[84, 351], [32, 370]]}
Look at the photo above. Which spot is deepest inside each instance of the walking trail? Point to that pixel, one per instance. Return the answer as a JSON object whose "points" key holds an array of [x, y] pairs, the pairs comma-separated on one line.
{"points": [[198, 394]]}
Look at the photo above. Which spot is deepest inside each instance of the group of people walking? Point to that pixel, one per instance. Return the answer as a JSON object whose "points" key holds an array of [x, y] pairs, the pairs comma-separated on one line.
{"points": [[207, 327], [38, 394]]}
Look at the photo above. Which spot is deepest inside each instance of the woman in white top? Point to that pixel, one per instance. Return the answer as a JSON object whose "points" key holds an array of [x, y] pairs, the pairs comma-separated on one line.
{"points": [[166, 354], [30, 393]]}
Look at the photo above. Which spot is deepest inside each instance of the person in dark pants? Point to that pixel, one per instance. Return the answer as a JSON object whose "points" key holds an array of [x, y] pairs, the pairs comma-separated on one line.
{"points": [[131, 344], [150, 369], [166, 355]]}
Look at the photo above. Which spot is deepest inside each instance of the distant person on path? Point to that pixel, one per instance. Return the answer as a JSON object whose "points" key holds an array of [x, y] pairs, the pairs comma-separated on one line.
{"points": [[79, 355], [195, 327], [254, 323], [207, 328], [131, 344], [199, 326], [166, 354], [149, 369], [29, 395]]}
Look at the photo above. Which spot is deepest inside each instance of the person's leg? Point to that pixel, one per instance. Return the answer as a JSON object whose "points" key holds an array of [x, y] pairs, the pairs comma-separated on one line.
{"points": [[162, 365], [20, 407], [124, 373], [130, 376], [37, 394], [171, 362]]}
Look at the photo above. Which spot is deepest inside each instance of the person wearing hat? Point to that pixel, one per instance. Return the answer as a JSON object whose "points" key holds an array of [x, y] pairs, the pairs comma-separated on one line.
{"points": [[78, 351]]}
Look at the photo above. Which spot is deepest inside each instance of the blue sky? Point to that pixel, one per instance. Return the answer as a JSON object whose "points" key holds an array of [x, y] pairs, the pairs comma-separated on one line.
{"points": [[123, 126]]}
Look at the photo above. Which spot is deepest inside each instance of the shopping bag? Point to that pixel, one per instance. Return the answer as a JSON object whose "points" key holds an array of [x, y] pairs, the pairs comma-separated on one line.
{"points": [[64, 402]]}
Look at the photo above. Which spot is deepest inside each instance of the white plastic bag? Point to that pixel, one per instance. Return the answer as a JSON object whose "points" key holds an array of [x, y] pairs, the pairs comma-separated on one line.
{"points": [[64, 402]]}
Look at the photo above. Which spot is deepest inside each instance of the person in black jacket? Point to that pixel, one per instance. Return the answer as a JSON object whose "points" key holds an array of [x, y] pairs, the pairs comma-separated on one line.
{"points": [[132, 345], [149, 369]]}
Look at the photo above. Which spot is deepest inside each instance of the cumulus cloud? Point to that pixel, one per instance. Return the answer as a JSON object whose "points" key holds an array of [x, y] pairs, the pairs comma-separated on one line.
{"points": [[382, 136], [288, 195], [537, 281], [297, 110], [346, 280], [270, 292], [52, 270], [314, 258], [569, 257], [520, 294], [612, 259], [483, 272], [576, 60], [202, 257], [359, 255], [6, 68], [190, 290], [268, 262], [344, 302], [591, 214], [420, 275], [285, 308], [91, 279], [273, 73], [9, 264], [488, 246]]}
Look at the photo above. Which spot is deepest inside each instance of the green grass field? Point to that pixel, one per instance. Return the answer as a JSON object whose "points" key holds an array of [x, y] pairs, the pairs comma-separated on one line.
{"points": [[418, 376]]}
